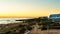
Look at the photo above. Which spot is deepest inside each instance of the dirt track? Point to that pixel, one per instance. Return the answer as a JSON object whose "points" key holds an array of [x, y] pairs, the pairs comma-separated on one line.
{"points": [[38, 31]]}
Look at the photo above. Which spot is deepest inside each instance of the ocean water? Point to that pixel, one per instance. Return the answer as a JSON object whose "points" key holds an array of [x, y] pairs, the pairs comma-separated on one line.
{"points": [[10, 20]]}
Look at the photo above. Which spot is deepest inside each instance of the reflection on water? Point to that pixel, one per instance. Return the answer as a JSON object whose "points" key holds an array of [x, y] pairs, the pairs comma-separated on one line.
{"points": [[9, 20]]}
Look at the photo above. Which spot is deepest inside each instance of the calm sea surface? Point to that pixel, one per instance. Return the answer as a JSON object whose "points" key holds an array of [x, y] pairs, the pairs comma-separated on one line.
{"points": [[10, 20]]}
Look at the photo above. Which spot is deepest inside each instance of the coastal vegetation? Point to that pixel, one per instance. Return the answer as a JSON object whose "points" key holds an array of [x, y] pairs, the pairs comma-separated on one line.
{"points": [[22, 27]]}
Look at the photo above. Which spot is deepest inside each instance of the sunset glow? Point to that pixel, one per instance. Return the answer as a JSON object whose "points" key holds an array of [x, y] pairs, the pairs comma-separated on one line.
{"points": [[28, 8]]}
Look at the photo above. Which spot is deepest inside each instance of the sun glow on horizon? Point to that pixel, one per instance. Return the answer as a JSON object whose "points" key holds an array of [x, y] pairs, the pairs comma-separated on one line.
{"points": [[28, 8]]}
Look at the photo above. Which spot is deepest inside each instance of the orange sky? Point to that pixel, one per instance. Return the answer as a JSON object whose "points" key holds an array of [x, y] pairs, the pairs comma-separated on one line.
{"points": [[28, 8]]}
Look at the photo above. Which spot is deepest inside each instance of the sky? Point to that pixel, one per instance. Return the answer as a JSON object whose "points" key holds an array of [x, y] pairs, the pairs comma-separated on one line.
{"points": [[28, 8]]}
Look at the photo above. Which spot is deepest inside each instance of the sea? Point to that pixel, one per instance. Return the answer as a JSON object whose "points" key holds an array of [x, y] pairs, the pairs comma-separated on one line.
{"points": [[10, 20]]}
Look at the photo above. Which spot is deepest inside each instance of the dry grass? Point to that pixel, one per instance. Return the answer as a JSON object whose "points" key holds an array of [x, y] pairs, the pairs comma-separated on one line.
{"points": [[38, 31]]}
